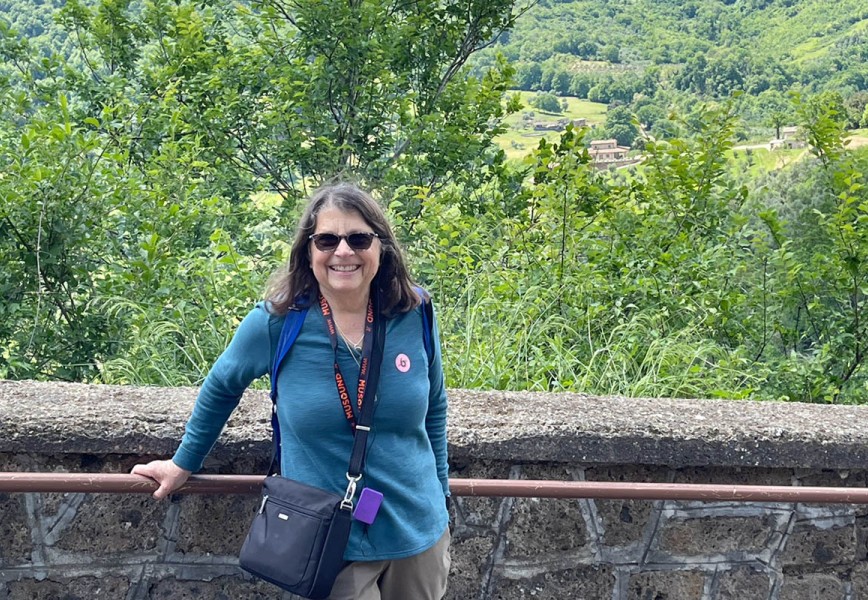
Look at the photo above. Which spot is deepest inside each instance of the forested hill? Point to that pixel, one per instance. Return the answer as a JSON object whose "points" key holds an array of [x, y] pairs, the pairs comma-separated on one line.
{"points": [[664, 31], [652, 56], [719, 45], [656, 57], [34, 20], [705, 46]]}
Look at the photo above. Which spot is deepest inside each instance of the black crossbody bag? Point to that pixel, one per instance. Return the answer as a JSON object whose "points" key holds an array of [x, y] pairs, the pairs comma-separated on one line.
{"points": [[298, 538]]}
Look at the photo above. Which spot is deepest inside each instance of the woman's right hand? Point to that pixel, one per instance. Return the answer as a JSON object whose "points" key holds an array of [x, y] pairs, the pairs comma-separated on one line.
{"points": [[165, 472]]}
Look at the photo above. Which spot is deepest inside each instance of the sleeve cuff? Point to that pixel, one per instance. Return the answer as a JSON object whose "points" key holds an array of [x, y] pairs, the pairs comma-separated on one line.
{"points": [[188, 460]]}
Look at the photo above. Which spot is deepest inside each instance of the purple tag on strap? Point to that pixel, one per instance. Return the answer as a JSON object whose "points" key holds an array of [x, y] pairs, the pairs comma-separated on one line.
{"points": [[368, 505]]}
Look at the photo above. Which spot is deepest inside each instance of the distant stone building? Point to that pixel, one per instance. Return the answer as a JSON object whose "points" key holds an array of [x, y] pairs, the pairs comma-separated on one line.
{"points": [[607, 151], [550, 125], [558, 125], [789, 139]]}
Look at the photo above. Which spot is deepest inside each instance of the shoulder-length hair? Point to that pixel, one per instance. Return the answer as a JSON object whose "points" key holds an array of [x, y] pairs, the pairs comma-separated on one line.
{"points": [[294, 284]]}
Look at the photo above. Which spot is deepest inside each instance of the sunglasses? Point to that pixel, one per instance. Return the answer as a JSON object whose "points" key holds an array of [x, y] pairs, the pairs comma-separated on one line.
{"points": [[329, 242]]}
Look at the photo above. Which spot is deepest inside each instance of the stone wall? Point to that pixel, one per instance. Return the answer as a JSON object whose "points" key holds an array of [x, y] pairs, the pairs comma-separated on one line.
{"points": [[127, 546]]}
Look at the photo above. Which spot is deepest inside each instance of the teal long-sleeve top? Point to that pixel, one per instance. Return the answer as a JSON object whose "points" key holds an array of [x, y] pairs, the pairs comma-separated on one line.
{"points": [[406, 457]]}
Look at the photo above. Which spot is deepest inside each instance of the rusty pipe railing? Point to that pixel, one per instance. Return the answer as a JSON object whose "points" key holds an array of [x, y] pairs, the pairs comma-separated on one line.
{"points": [[13, 482]]}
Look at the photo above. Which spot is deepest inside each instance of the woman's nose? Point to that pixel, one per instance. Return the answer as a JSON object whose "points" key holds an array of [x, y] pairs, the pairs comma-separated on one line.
{"points": [[343, 248]]}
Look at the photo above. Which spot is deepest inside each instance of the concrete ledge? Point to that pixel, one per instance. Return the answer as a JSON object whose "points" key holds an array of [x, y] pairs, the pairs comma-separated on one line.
{"points": [[62, 418]]}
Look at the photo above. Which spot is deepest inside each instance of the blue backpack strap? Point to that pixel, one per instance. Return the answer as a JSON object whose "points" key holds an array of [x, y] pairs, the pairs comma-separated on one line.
{"points": [[427, 321], [289, 333], [291, 328]]}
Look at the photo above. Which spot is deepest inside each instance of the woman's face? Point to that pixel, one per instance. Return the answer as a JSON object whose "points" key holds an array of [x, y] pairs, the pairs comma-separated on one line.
{"points": [[344, 272]]}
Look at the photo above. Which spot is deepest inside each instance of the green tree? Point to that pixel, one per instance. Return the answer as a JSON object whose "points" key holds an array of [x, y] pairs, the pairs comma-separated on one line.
{"points": [[528, 76], [621, 125], [546, 101], [776, 109], [855, 106]]}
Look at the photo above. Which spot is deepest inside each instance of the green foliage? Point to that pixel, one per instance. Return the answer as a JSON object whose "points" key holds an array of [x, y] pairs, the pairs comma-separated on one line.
{"points": [[546, 101], [56, 240], [621, 126], [130, 172], [149, 176], [814, 252], [605, 287]]}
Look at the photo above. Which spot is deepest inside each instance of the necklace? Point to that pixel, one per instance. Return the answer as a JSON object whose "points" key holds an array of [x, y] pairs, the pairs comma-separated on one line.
{"points": [[356, 358], [357, 346], [353, 348]]}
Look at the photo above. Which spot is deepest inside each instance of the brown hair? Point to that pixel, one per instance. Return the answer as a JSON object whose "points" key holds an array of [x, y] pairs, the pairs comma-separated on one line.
{"points": [[294, 284]]}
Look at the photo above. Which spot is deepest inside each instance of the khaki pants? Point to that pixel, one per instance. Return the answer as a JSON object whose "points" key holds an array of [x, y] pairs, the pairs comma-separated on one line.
{"points": [[420, 577]]}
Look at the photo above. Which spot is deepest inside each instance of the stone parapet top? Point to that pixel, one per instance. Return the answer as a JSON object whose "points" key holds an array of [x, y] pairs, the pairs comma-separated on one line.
{"points": [[37, 417]]}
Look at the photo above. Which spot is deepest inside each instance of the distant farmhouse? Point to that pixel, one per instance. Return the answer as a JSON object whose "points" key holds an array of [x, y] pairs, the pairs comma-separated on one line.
{"points": [[608, 154], [788, 141], [558, 125]]}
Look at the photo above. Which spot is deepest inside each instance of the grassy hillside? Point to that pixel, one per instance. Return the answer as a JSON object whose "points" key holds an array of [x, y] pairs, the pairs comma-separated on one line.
{"points": [[522, 137]]}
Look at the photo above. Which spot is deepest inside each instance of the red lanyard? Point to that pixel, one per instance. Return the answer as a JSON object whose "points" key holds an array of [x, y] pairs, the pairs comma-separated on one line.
{"points": [[350, 410]]}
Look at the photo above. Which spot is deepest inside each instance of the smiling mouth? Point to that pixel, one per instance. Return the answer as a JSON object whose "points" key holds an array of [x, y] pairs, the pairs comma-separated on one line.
{"points": [[344, 268]]}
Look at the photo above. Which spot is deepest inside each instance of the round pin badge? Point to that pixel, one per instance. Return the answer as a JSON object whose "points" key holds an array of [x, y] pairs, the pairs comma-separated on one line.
{"points": [[402, 363]]}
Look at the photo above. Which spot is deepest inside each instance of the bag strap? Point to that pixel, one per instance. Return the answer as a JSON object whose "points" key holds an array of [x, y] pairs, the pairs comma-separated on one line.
{"points": [[288, 334], [427, 321], [363, 425]]}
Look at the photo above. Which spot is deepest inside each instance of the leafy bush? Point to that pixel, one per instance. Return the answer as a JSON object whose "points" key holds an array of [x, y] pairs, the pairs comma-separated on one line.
{"points": [[546, 101]]}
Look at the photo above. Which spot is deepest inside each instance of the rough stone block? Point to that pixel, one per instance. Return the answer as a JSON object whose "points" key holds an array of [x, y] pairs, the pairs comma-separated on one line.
{"points": [[78, 588], [540, 526], [15, 544], [708, 535], [215, 524], [743, 582], [219, 588], [813, 586], [585, 583], [666, 585], [478, 512], [471, 560], [733, 476], [862, 538], [859, 579], [111, 523], [810, 545], [628, 474], [15, 462], [624, 521], [832, 478]]}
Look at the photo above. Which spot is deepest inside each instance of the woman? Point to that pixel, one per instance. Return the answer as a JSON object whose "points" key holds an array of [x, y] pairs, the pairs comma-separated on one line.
{"points": [[344, 252]]}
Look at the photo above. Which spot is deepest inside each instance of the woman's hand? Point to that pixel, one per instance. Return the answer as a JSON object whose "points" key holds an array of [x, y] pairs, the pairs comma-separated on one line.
{"points": [[169, 475]]}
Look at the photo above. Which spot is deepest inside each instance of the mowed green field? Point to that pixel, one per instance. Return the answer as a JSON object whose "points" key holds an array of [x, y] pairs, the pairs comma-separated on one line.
{"points": [[521, 137], [757, 161]]}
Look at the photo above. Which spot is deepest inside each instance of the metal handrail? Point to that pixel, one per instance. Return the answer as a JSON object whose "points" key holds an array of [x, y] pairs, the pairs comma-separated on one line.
{"points": [[19, 482]]}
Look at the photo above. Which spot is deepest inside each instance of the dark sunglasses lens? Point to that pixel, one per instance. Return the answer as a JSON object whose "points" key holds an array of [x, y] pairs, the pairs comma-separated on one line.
{"points": [[360, 241], [326, 241]]}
